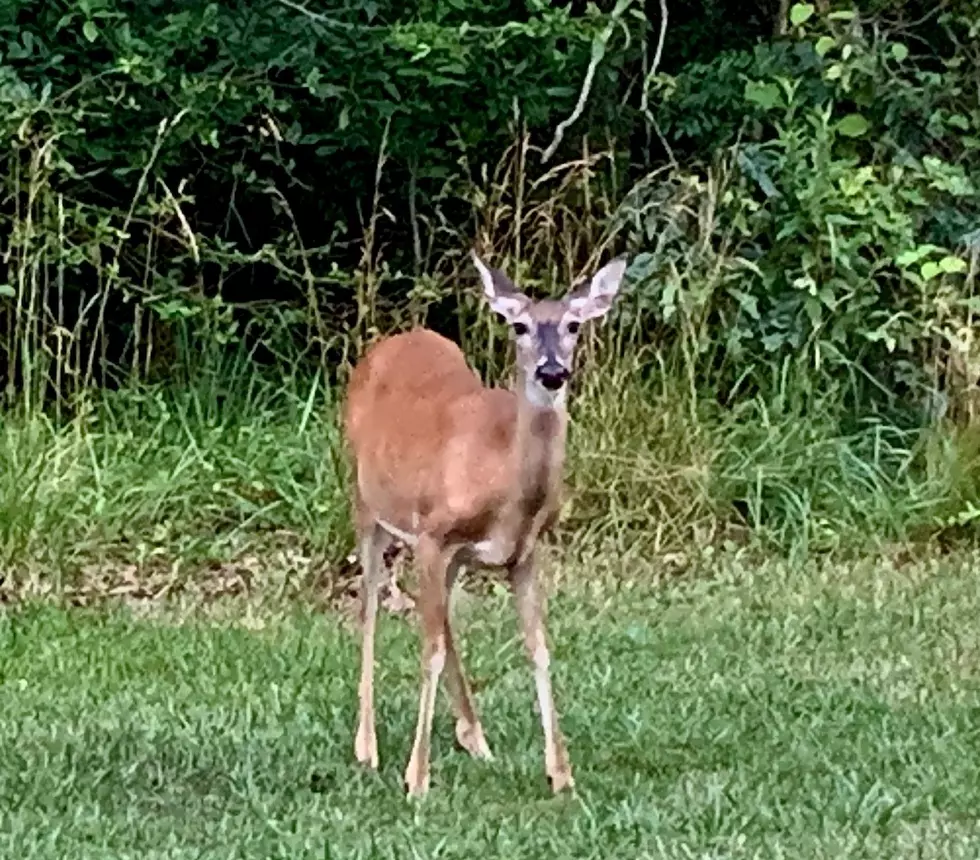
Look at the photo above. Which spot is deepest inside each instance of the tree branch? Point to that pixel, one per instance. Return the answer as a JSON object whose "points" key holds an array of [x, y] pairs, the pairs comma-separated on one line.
{"points": [[598, 52], [650, 74]]}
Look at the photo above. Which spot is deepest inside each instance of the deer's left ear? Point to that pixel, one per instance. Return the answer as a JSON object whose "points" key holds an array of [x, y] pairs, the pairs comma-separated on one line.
{"points": [[595, 298]]}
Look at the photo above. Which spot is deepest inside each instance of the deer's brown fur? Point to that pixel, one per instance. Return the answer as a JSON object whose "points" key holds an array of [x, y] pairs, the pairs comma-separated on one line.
{"points": [[468, 475]]}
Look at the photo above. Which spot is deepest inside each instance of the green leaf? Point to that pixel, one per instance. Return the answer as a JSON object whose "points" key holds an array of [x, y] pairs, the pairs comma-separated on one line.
{"points": [[929, 270], [952, 265], [90, 31], [7, 290], [813, 310], [907, 258], [852, 125], [773, 341], [899, 51], [748, 303], [824, 44], [913, 255], [800, 13], [766, 96]]}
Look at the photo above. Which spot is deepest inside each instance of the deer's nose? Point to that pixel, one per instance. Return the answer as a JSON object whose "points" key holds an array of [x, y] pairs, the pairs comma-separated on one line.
{"points": [[552, 375]]}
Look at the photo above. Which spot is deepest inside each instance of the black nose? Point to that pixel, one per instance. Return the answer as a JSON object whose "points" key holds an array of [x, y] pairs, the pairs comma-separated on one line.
{"points": [[552, 375]]}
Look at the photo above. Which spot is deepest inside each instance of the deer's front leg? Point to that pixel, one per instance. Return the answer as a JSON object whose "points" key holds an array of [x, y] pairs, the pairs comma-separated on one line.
{"points": [[530, 608], [433, 614], [469, 730], [373, 542]]}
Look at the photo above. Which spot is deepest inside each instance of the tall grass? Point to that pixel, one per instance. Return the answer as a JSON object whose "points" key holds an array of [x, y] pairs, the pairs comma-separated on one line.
{"points": [[648, 475], [173, 479]]}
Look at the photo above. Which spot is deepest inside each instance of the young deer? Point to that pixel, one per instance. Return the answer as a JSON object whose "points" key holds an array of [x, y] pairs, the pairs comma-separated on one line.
{"points": [[465, 475]]}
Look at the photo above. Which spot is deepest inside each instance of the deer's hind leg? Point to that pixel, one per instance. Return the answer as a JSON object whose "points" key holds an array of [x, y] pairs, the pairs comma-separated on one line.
{"points": [[433, 559]]}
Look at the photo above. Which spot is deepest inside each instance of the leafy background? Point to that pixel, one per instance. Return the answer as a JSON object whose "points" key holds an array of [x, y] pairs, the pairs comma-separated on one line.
{"points": [[209, 211]]}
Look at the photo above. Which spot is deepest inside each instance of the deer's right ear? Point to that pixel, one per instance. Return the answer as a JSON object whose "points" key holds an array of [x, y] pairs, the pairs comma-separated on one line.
{"points": [[500, 291]]}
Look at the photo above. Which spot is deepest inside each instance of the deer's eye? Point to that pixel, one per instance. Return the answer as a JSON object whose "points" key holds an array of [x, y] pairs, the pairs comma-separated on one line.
{"points": [[520, 329], [573, 327]]}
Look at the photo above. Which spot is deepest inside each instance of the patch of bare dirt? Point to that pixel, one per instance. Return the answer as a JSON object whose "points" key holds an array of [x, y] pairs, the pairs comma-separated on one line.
{"points": [[261, 574]]}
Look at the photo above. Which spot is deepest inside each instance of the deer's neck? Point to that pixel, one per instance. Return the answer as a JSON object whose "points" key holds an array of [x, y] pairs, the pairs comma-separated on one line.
{"points": [[540, 441]]}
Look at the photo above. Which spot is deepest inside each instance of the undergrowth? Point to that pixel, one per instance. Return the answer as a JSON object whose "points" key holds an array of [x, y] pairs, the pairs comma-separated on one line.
{"points": [[172, 477], [167, 481]]}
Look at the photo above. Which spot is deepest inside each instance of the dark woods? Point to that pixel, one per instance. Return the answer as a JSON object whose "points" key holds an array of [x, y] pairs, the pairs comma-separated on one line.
{"points": [[288, 176]]}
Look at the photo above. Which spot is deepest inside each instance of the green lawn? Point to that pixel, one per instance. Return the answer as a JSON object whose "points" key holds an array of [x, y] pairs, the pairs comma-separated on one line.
{"points": [[742, 712]]}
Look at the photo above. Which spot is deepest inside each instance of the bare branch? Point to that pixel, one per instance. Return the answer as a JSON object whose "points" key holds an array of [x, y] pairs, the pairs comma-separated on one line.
{"points": [[316, 16], [327, 21], [780, 20], [658, 54], [649, 76], [598, 52]]}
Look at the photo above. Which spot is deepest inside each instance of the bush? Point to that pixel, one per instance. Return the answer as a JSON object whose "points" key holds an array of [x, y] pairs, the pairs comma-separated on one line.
{"points": [[839, 238], [162, 158]]}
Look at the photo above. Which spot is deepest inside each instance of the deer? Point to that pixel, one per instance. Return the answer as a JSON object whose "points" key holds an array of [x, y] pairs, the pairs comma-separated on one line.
{"points": [[467, 476]]}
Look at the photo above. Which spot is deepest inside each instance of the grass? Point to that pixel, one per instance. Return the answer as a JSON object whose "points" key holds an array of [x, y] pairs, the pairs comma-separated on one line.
{"points": [[166, 480], [746, 711], [749, 708]]}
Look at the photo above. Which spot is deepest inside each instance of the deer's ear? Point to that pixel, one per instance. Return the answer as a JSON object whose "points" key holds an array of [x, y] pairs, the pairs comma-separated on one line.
{"points": [[500, 292], [595, 298]]}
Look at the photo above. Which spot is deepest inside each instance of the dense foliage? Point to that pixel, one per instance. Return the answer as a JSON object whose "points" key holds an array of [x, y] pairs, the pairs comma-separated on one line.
{"points": [[268, 184], [154, 150], [850, 217]]}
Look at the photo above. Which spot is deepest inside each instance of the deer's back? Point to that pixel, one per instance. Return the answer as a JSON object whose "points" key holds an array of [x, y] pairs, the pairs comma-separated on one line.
{"points": [[424, 431], [411, 377]]}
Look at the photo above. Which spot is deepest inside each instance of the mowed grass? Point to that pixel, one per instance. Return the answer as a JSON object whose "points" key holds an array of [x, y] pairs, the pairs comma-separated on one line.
{"points": [[740, 711]]}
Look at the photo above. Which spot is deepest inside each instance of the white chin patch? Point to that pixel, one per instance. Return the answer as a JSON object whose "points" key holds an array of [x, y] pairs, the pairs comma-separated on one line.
{"points": [[542, 397]]}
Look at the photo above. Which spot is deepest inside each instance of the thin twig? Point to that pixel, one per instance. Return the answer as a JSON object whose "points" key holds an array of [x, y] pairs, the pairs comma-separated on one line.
{"points": [[318, 17], [164, 127], [413, 214], [650, 74], [308, 277], [598, 52], [184, 223], [658, 54]]}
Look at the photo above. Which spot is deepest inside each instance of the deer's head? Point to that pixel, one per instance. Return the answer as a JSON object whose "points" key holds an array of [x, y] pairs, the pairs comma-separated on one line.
{"points": [[546, 331]]}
